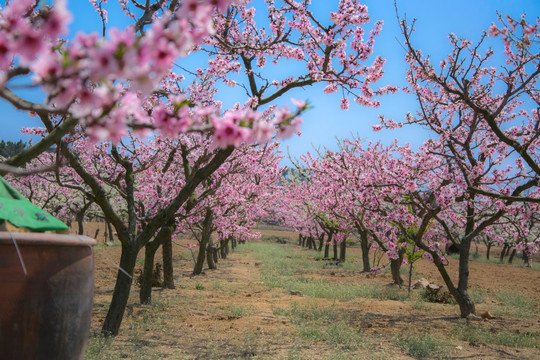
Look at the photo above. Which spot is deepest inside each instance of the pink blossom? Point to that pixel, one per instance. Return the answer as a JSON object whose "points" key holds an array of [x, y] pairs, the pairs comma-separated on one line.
{"points": [[262, 132], [330, 88], [427, 256], [300, 104], [344, 104], [529, 30], [227, 130], [493, 30]]}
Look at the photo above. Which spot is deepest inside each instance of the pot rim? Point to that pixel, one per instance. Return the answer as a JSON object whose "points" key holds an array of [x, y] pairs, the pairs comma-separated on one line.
{"points": [[33, 238]]}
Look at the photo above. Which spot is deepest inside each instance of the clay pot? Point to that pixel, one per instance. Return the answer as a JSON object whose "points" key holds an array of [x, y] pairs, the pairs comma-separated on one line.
{"points": [[46, 313]]}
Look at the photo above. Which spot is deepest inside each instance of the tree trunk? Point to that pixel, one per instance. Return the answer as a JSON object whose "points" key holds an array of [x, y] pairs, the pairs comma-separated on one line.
{"points": [[303, 241], [80, 217], [364, 244], [120, 296], [395, 266], [326, 251], [321, 242], [197, 270], [503, 252], [511, 258], [224, 248], [210, 260], [466, 305], [233, 243], [299, 239], [150, 249], [335, 258], [206, 234], [525, 257], [111, 235], [80, 224], [145, 295], [310, 243], [342, 250], [167, 255], [488, 250]]}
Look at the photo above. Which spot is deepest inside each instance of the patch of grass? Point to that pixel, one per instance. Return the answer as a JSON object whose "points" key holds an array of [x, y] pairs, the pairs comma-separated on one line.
{"points": [[303, 313], [423, 346], [518, 261], [478, 296], [515, 304], [101, 246], [393, 293], [427, 296], [341, 333], [324, 324], [286, 270], [237, 311], [199, 286], [100, 347], [336, 334], [96, 345], [217, 285], [311, 333], [484, 334], [418, 303]]}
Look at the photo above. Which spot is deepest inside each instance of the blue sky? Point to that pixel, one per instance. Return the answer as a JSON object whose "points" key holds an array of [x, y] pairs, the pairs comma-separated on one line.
{"points": [[326, 121]]}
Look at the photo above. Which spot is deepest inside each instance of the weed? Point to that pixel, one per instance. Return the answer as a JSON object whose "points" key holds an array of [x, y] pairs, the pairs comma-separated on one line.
{"points": [[478, 296], [484, 334], [427, 296], [313, 313], [419, 303], [199, 286], [217, 285], [100, 347], [96, 345], [310, 333], [236, 311], [423, 346], [515, 304], [341, 333], [518, 262]]}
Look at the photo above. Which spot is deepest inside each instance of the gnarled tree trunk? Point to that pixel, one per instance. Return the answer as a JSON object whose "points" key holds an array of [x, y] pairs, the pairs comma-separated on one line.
{"points": [[321, 242], [120, 297], [145, 295], [211, 255], [395, 266], [168, 268], [364, 245], [342, 250], [206, 234]]}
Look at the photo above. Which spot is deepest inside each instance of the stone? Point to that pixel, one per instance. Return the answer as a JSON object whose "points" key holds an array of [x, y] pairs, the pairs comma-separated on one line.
{"points": [[420, 284]]}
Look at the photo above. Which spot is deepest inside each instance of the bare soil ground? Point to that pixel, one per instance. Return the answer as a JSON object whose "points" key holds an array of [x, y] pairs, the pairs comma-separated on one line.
{"points": [[237, 312]]}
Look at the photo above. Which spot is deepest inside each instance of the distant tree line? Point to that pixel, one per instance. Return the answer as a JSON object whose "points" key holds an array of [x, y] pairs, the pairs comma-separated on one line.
{"points": [[9, 148]]}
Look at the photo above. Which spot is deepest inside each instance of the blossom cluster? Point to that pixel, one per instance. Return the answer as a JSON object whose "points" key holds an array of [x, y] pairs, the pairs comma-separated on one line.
{"points": [[114, 84]]}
